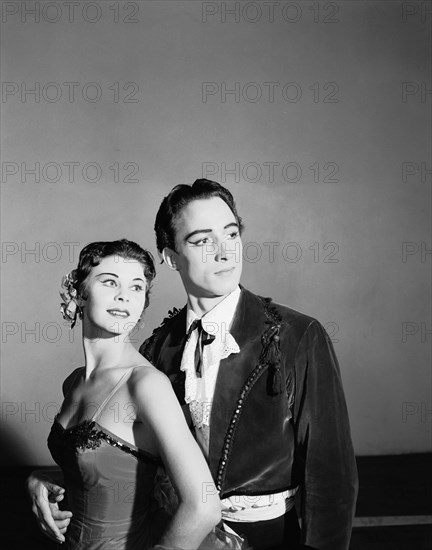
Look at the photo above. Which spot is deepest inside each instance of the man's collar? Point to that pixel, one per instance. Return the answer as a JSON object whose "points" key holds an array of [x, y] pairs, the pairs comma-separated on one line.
{"points": [[223, 312]]}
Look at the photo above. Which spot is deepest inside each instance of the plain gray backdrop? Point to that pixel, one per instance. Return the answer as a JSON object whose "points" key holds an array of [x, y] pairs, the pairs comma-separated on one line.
{"points": [[315, 115]]}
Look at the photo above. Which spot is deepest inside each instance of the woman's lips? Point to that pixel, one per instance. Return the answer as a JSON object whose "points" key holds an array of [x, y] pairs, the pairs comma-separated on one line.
{"points": [[122, 313]]}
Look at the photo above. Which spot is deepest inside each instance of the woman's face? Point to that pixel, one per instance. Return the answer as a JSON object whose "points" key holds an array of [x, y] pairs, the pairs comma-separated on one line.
{"points": [[115, 297]]}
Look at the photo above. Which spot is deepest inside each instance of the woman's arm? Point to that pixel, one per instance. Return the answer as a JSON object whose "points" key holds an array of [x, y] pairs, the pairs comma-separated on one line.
{"points": [[199, 509]]}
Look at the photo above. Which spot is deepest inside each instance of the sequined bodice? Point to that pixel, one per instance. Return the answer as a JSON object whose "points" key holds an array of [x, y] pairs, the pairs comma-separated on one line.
{"points": [[108, 487]]}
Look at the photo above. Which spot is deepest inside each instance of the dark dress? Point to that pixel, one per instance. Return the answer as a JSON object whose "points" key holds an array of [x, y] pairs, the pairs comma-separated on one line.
{"points": [[108, 482]]}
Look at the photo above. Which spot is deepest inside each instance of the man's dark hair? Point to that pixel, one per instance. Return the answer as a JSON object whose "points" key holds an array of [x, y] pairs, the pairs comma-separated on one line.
{"points": [[179, 197], [92, 254]]}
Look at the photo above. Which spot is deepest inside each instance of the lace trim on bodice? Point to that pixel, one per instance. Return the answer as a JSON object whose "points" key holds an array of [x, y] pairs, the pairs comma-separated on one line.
{"points": [[88, 435]]}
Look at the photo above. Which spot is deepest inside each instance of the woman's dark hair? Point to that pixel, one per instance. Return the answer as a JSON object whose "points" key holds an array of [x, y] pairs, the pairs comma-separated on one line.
{"points": [[92, 254], [179, 197]]}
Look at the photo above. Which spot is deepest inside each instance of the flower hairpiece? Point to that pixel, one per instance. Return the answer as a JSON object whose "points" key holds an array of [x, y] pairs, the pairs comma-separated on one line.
{"points": [[69, 307]]}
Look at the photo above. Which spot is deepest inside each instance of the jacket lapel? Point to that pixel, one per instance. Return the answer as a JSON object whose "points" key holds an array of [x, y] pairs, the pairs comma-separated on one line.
{"points": [[247, 328]]}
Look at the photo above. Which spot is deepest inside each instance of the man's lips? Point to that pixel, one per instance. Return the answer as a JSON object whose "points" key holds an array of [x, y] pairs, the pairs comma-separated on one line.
{"points": [[227, 270], [123, 313]]}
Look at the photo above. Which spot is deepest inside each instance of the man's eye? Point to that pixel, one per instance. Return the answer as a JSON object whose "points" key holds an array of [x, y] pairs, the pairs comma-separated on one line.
{"points": [[203, 241]]}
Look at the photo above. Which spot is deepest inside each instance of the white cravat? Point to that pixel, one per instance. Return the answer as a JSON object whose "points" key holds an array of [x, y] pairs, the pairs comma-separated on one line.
{"points": [[199, 391]]}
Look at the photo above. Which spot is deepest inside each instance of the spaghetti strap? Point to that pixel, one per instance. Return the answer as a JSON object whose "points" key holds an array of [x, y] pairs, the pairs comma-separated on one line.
{"points": [[111, 393]]}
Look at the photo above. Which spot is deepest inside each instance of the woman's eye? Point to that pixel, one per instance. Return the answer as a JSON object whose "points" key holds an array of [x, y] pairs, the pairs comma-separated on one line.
{"points": [[109, 282], [138, 288]]}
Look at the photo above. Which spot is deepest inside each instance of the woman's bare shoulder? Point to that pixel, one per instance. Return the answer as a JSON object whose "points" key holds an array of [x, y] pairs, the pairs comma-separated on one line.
{"points": [[146, 382], [147, 374]]}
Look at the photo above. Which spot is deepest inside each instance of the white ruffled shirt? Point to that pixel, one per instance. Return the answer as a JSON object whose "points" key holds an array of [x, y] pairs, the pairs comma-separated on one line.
{"points": [[199, 391]]}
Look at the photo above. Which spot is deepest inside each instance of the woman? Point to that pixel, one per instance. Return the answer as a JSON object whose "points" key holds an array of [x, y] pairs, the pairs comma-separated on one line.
{"points": [[120, 418]]}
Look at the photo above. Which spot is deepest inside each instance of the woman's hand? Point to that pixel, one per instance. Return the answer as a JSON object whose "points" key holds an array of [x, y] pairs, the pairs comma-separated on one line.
{"points": [[45, 496]]}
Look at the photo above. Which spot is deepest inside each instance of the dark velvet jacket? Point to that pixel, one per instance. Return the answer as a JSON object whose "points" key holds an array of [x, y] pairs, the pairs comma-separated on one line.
{"points": [[279, 417]]}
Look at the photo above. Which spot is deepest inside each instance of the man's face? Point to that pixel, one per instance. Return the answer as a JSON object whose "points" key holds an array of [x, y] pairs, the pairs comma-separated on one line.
{"points": [[208, 252]]}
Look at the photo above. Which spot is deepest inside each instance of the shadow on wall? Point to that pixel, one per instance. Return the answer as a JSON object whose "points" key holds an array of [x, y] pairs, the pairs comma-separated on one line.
{"points": [[15, 451], [20, 529]]}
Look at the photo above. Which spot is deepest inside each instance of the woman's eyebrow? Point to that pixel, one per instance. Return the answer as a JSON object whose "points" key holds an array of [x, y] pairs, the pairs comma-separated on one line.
{"points": [[106, 273], [116, 276]]}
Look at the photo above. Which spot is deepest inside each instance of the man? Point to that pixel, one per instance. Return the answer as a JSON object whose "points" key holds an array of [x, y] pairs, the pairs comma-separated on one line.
{"points": [[260, 383]]}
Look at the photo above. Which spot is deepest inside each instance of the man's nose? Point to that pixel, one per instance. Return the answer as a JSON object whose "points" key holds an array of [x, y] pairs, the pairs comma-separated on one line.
{"points": [[221, 253]]}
